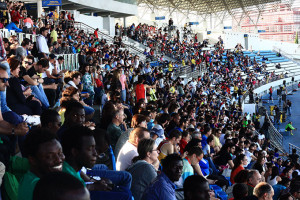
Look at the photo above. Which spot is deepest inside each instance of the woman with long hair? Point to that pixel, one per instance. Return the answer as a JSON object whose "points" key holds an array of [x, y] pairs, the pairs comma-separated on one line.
{"points": [[260, 163], [274, 178], [88, 82], [20, 99], [142, 170], [239, 162]]}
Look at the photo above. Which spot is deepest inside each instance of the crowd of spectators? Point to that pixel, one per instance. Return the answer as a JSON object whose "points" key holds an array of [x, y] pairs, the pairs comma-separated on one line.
{"points": [[159, 136]]}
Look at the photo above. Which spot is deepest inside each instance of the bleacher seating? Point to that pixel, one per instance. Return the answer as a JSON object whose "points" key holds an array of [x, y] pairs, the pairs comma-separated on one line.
{"points": [[287, 66]]}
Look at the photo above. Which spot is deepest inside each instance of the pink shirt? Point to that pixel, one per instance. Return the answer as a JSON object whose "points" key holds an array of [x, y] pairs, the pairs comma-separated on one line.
{"points": [[123, 80]]}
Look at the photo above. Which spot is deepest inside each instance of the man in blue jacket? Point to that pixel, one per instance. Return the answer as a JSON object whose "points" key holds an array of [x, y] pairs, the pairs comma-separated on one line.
{"points": [[14, 26]]}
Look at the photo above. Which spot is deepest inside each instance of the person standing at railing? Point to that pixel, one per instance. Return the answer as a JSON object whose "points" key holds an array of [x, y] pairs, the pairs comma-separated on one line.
{"points": [[41, 43], [271, 93], [289, 105], [96, 33]]}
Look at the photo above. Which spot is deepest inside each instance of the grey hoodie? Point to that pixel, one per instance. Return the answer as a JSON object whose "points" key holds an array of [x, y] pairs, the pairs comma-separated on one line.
{"points": [[143, 174]]}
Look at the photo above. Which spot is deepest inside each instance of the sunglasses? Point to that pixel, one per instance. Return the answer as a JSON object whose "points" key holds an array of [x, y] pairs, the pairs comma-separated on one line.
{"points": [[4, 80], [29, 63]]}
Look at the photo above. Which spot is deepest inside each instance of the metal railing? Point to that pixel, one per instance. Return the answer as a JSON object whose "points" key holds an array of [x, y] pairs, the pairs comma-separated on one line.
{"points": [[71, 62], [286, 55], [20, 36], [291, 147], [276, 138], [109, 38], [188, 72]]}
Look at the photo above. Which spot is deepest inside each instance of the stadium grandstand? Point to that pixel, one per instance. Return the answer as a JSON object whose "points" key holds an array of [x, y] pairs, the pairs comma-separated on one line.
{"points": [[149, 99]]}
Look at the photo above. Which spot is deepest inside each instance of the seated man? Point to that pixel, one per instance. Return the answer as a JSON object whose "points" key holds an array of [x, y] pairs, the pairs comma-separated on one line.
{"points": [[129, 150], [163, 186], [195, 154], [51, 120], [51, 76], [44, 154], [9, 128], [14, 26], [60, 185], [31, 78], [263, 191], [74, 115], [113, 129], [170, 145], [79, 147]]}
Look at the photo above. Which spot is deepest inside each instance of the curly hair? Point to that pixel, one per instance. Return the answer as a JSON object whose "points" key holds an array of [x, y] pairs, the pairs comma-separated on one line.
{"points": [[67, 95]]}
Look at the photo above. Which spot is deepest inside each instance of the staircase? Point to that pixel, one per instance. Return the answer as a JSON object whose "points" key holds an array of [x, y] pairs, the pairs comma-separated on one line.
{"points": [[103, 34]]}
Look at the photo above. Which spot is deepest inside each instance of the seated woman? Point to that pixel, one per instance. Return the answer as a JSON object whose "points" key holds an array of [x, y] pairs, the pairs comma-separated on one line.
{"points": [[142, 170], [239, 162], [73, 93], [19, 98]]}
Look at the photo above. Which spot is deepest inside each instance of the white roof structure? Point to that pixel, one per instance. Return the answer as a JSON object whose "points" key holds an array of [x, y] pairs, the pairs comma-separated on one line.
{"points": [[206, 6]]}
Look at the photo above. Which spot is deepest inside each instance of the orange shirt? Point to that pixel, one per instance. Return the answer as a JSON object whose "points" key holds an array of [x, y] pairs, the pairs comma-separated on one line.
{"points": [[235, 172]]}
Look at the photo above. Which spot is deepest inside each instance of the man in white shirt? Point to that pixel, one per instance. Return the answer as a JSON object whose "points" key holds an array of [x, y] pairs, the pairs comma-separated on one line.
{"points": [[129, 150], [41, 42], [249, 154], [51, 75]]}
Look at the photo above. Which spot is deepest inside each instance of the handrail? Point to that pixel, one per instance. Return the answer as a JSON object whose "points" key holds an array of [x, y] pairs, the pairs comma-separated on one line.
{"points": [[275, 137], [291, 147], [286, 55], [89, 29]]}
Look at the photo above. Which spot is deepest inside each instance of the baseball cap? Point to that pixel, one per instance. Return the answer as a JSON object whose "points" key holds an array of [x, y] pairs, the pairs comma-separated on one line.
{"points": [[157, 130]]}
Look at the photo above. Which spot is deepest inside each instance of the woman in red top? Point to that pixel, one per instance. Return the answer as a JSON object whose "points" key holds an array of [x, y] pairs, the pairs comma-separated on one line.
{"points": [[239, 162], [140, 89]]}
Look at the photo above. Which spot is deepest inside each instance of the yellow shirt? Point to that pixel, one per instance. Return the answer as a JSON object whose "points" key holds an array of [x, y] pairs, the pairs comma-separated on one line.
{"points": [[217, 142], [61, 112], [53, 35], [170, 67], [193, 61], [172, 89]]}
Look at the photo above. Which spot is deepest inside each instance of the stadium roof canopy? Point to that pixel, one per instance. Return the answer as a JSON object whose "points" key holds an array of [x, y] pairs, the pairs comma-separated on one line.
{"points": [[205, 6]]}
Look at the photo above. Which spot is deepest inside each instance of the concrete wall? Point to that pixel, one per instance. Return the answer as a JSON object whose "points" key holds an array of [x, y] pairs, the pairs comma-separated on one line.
{"points": [[109, 25], [95, 22], [109, 6], [232, 38], [255, 43], [276, 85]]}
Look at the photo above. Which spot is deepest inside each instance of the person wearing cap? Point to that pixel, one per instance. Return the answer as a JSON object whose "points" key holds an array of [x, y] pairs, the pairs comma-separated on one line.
{"points": [[157, 133]]}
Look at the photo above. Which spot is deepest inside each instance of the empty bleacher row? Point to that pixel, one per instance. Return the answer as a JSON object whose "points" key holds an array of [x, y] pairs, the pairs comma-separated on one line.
{"points": [[287, 66]]}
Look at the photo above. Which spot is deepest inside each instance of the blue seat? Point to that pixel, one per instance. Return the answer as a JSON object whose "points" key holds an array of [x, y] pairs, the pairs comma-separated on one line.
{"points": [[228, 179], [222, 195], [216, 188]]}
